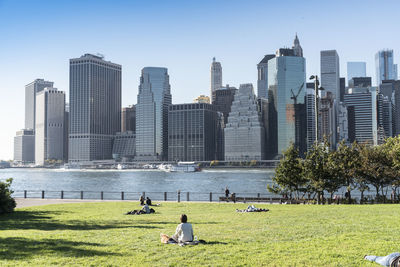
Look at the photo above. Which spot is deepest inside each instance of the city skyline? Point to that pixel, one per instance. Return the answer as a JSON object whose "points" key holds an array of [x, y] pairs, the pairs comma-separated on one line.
{"points": [[40, 49]]}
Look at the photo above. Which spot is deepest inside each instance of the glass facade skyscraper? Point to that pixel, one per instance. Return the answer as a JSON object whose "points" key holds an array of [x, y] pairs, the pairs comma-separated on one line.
{"points": [[95, 107], [152, 114], [385, 69], [286, 97], [330, 79], [262, 80], [356, 69]]}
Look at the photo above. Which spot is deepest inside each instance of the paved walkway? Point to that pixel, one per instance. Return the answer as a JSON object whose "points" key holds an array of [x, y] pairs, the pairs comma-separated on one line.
{"points": [[28, 202]]}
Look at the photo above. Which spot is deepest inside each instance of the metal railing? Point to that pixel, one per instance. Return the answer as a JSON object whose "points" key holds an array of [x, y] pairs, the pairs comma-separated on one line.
{"points": [[154, 196]]}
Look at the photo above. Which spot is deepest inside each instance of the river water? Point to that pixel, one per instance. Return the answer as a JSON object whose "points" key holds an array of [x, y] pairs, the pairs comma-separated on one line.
{"points": [[244, 182], [249, 182]]}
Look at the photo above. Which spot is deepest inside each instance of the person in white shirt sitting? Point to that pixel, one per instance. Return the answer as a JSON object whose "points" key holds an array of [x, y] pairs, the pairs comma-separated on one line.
{"points": [[184, 231]]}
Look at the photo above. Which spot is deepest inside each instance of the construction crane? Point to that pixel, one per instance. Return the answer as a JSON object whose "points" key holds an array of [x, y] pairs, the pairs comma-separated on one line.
{"points": [[294, 96]]}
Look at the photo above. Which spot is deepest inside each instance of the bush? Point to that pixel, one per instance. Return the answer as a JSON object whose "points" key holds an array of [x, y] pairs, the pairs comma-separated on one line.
{"points": [[7, 203]]}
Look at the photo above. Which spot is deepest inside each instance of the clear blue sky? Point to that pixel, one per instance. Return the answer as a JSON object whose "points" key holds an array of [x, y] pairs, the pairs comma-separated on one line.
{"points": [[38, 37]]}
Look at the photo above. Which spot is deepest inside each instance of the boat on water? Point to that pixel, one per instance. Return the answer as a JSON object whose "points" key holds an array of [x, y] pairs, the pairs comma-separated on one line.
{"points": [[180, 167]]}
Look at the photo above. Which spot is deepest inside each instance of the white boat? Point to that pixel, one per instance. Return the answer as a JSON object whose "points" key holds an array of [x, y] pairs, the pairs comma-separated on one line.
{"points": [[121, 166], [165, 167], [184, 167]]}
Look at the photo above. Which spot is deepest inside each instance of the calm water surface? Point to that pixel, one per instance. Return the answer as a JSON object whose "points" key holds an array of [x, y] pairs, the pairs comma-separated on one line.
{"points": [[243, 181]]}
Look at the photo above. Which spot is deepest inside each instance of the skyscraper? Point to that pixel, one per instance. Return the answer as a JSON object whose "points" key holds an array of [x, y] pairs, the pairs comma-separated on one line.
{"points": [[362, 110], [310, 114], [244, 132], [95, 107], [385, 69], [128, 119], [152, 114], [24, 146], [330, 73], [49, 133], [286, 96], [342, 88], [262, 80], [216, 77], [223, 98], [342, 123], [30, 100], [193, 132], [327, 109], [356, 69]]}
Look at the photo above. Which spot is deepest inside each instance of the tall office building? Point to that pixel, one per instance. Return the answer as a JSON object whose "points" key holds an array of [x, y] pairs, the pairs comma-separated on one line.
{"points": [[385, 69], [342, 123], [342, 89], [262, 80], [95, 107], [384, 109], [310, 114], [30, 100], [244, 132], [49, 133], [362, 109], [128, 119], [216, 76], [327, 109], [391, 89], [223, 98], [356, 69], [330, 79], [24, 146], [193, 132], [152, 114], [286, 96]]}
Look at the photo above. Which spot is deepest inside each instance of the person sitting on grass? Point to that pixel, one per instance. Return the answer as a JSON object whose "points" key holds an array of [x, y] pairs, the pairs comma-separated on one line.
{"points": [[183, 233], [392, 260], [148, 201]]}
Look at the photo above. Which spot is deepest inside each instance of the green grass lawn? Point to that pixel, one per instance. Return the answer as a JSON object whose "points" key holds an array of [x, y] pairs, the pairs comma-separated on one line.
{"points": [[98, 234]]}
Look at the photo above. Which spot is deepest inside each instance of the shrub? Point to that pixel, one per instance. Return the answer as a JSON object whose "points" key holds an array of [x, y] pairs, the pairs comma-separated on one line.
{"points": [[7, 203]]}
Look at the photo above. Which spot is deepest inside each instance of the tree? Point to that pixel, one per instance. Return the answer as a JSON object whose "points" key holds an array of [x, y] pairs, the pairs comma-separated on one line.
{"points": [[7, 203], [346, 161], [377, 167], [289, 177], [318, 169]]}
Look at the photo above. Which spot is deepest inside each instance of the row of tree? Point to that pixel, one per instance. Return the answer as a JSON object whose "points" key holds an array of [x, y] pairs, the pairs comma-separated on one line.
{"points": [[355, 166]]}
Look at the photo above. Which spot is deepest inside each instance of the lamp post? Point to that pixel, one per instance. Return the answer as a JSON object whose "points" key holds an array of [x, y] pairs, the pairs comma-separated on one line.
{"points": [[317, 89]]}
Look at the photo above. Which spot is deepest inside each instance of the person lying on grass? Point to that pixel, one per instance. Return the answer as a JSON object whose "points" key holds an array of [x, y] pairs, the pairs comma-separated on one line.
{"points": [[392, 260], [183, 233]]}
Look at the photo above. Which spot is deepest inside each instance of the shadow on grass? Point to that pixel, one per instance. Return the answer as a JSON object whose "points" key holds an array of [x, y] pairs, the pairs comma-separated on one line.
{"points": [[43, 220], [216, 243], [20, 248]]}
